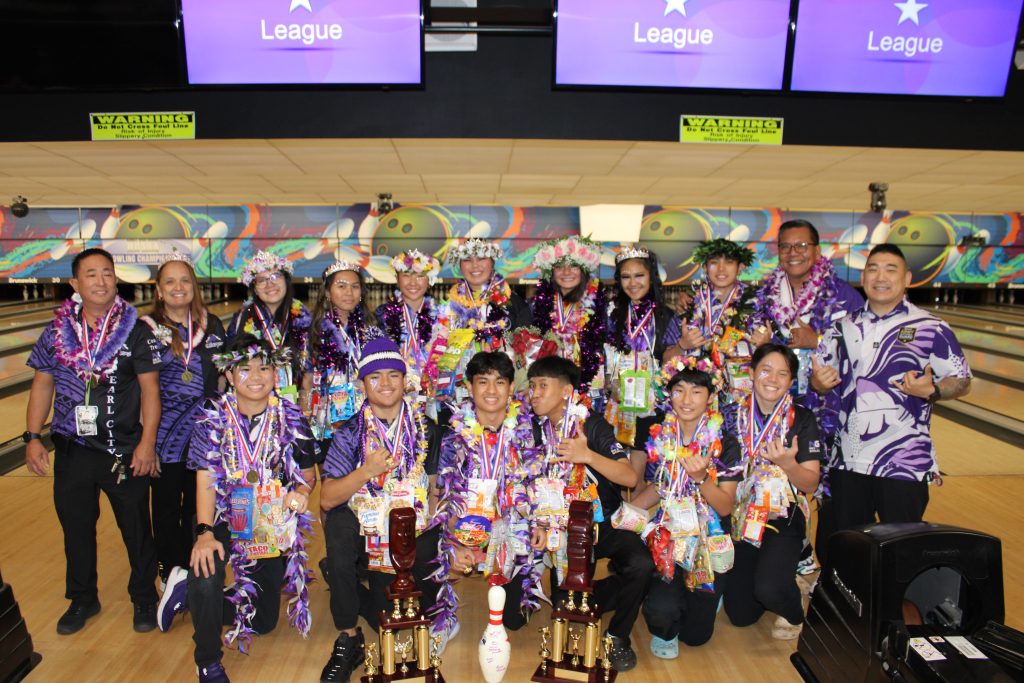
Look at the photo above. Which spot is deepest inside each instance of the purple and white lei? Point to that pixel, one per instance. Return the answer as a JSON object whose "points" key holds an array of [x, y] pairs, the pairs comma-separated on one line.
{"points": [[68, 340]]}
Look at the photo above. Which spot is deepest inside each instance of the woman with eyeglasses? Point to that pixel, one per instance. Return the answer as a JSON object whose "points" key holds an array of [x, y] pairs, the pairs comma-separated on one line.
{"points": [[273, 313], [781, 458]]}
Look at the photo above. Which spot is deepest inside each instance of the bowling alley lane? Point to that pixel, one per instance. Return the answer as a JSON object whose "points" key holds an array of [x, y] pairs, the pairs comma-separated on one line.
{"points": [[982, 323]]}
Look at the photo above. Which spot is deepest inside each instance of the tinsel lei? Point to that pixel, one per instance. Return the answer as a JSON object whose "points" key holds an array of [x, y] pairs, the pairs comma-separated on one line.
{"points": [[332, 351], [620, 337], [414, 451], [525, 464], [69, 340], [296, 330], [586, 326], [464, 308], [286, 429], [739, 314], [392, 321]]}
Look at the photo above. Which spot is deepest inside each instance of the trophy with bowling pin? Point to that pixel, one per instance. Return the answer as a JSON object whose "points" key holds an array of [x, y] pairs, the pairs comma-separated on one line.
{"points": [[401, 659], [495, 650], [563, 658]]}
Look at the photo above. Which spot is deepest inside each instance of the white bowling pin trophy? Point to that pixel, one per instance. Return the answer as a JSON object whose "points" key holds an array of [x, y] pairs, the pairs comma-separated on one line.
{"points": [[495, 650]]}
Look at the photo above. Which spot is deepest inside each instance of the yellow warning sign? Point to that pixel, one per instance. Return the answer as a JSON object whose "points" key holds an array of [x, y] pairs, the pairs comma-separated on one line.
{"points": [[730, 129], [157, 125]]}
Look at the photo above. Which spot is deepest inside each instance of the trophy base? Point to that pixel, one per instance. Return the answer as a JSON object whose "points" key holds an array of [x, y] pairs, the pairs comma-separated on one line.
{"points": [[414, 676], [564, 672]]}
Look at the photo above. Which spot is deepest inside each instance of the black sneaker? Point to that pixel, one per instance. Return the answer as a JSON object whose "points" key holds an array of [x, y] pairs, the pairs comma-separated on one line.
{"points": [[74, 619], [622, 656], [144, 620], [349, 652]]}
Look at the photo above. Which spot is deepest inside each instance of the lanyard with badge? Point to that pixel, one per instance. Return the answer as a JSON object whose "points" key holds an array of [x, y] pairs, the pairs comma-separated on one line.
{"points": [[186, 376], [86, 415], [634, 384]]}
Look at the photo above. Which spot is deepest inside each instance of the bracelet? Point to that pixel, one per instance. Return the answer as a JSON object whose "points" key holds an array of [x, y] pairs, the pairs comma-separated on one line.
{"points": [[702, 481]]}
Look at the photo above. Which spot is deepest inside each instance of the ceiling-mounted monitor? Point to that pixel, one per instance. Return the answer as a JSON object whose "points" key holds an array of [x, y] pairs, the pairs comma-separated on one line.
{"points": [[351, 42], [905, 47], [738, 44]]}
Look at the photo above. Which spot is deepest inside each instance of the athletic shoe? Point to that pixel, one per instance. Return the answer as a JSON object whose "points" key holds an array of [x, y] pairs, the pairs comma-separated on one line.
{"points": [[349, 652], [664, 649], [74, 619], [212, 673], [446, 638], [806, 566], [144, 619], [783, 630], [622, 656], [175, 598]]}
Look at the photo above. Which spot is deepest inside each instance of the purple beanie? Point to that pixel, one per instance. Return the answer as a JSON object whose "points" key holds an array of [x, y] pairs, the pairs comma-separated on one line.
{"points": [[380, 354]]}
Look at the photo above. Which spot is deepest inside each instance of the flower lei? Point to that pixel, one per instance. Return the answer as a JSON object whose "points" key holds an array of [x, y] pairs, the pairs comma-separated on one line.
{"points": [[285, 430], [394, 325], [69, 341], [229, 359], [817, 297], [737, 315], [165, 335], [414, 450], [465, 308], [333, 351], [663, 448], [587, 326], [453, 488]]}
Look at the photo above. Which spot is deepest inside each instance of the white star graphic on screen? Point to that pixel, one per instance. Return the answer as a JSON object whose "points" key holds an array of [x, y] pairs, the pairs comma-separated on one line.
{"points": [[909, 10], [675, 6], [300, 3]]}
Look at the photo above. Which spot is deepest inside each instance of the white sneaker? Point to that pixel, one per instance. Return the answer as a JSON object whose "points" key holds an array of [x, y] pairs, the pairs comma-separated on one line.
{"points": [[446, 637], [783, 630]]}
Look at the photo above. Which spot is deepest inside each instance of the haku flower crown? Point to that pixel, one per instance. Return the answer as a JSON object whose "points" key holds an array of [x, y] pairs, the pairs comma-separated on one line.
{"points": [[474, 248], [677, 364], [415, 261], [632, 251], [225, 361], [340, 265], [576, 251], [709, 249], [264, 262]]}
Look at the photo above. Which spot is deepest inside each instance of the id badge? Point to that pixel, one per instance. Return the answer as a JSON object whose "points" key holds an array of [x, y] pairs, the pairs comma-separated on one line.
{"points": [[85, 420], [633, 390], [682, 518], [483, 497]]}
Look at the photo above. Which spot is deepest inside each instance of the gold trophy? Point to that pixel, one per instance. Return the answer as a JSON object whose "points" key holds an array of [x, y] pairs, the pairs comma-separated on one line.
{"points": [[418, 663], [562, 662]]}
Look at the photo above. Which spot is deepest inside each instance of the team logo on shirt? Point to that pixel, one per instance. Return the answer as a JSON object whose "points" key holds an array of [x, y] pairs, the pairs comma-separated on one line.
{"points": [[214, 342], [906, 335]]}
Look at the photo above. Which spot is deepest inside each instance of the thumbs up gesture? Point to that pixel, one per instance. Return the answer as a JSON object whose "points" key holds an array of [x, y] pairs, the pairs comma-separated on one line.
{"points": [[802, 336], [574, 449], [914, 383], [824, 378]]}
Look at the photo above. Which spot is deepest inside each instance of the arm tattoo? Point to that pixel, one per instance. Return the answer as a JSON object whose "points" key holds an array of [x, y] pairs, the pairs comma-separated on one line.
{"points": [[954, 387]]}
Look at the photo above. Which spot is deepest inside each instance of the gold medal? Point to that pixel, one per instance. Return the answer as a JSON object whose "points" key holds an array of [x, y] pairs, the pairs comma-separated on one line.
{"points": [[252, 477], [186, 376]]}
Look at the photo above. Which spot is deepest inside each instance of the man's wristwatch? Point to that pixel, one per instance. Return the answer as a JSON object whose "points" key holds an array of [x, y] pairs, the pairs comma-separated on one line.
{"points": [[936, 395], [202, 529], [28, 436]]}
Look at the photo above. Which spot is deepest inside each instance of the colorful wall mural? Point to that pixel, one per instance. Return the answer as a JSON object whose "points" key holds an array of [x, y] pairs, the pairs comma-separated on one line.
{"points": [[220, 239]]}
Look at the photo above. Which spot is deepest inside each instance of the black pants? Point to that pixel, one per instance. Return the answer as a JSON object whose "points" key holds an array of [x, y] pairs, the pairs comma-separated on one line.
{"points": [[764, 579], [347, 569], [857, 498], [210, 609], [174, 506], [79, 474], [672, 611]]}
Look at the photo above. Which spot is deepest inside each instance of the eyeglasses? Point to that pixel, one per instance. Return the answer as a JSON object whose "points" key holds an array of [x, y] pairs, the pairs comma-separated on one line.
{"points": [[798, 247], [264, 280]]}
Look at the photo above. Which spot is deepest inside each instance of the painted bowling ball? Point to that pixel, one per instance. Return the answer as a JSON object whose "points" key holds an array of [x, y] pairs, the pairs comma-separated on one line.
{"points": [[673, 234], [926, 241], [410, 227], [151, 223]]}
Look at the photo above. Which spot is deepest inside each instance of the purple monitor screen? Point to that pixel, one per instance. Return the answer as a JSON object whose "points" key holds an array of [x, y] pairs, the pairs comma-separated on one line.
{"points": [[302, 41], [905, 47], [672, 43]]}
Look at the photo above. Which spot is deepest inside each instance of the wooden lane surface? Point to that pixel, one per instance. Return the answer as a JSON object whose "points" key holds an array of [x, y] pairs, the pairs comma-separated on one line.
{"points": [[984, 480]]}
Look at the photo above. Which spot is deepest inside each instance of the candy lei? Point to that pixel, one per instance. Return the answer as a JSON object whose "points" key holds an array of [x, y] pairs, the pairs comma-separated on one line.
{"points": [[817, 296], [466, 308], [99, 360], [393, 320], [712, 316], [453, 487], [754, 436], [284, 428], [666, 448], [412, 445]]}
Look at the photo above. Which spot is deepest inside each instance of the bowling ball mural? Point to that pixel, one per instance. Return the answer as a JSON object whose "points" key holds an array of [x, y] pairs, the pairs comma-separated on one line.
{"points": [[151, 223], [673, 234], [927, 240], [410, 227]]}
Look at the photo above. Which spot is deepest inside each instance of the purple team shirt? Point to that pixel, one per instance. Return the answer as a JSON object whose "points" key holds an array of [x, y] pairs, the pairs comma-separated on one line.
{"points": [[882, 431]]}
